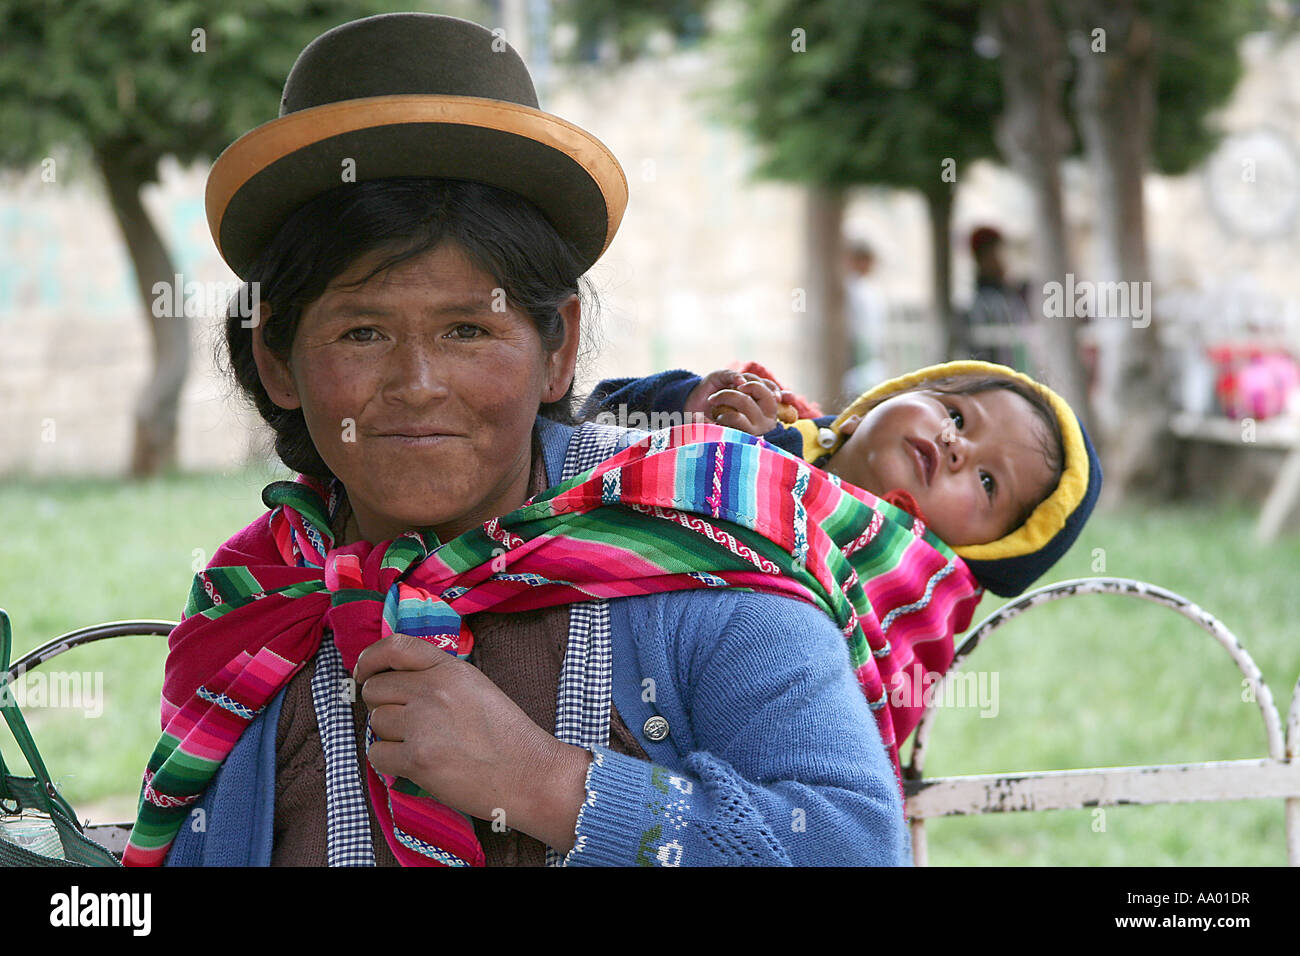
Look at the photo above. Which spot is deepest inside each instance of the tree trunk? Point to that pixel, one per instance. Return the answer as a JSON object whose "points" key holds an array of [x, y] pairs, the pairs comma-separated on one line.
{"points": [[1115, 101], [157, 407], [824, 271], [938, 202], [1034, 136]]}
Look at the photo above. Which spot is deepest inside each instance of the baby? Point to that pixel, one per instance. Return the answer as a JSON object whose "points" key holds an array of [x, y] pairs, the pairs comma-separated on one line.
{"points": [[995, 464]]}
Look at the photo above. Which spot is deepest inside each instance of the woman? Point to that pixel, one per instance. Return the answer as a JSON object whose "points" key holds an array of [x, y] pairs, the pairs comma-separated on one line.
{"points": [[414, 352]]}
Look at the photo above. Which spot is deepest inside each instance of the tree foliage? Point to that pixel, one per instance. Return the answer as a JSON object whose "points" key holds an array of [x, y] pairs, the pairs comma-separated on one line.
{"points": [[853, 92], [136, 79], [1198, 65], [883, 88]]}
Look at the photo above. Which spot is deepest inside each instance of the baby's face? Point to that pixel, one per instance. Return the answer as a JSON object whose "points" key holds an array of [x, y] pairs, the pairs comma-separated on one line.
{"points": [[971, 462]]}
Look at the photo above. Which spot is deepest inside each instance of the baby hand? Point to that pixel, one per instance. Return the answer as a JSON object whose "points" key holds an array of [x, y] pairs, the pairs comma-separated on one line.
{"points": [[743, 401]]}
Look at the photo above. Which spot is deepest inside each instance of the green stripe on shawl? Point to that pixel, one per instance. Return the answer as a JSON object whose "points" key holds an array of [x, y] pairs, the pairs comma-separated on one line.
{"points": [[406, 550], [301, 589], [303, 500], [235, 586], [348, 595]]}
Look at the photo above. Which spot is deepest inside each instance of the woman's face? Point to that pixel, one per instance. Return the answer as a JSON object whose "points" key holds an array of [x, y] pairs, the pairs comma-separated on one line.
{"points": [[971, 462], [420, 389]]}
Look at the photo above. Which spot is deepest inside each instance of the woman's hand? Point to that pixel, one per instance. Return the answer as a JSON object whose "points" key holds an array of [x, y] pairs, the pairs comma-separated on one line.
{"points": [[740, 400], [449, 729]]}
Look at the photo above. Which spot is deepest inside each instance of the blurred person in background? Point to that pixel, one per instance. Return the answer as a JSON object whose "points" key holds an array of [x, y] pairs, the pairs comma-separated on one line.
{"points": [[998, 319], [868, 315]]}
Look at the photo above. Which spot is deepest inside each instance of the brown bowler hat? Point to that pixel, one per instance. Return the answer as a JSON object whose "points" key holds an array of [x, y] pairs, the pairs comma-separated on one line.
{"points": [[412, 94]]}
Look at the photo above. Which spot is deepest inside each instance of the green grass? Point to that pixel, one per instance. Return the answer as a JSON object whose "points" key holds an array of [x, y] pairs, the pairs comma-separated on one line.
{"points": [[86, 551], [1096, 681]]}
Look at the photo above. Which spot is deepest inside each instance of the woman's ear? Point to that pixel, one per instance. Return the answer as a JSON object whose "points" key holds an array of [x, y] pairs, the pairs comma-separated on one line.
{"points": [[276, 376], [561, 363]]}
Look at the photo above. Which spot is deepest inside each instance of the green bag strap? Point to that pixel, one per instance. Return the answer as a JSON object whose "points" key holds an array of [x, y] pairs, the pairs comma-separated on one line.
{"points": [[47, 797]]}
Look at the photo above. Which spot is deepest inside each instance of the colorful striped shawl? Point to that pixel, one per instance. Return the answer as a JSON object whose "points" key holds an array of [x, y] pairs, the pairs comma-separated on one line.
{"points": [[696, 506]]}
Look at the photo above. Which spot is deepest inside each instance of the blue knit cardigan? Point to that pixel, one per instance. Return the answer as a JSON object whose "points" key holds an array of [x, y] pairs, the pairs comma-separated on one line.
{"points": [[772, 757]]}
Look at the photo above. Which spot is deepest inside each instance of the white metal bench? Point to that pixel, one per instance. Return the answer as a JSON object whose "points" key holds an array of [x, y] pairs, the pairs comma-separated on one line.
{"points": [[1277, 775], [1281, 434]]}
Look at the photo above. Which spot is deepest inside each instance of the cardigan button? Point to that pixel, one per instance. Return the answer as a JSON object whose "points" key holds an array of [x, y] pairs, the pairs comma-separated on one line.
{"points": [[655, 729]]}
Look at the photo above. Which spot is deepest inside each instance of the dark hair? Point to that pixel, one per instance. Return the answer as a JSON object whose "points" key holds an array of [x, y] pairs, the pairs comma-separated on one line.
{"points": [[985, 237], [1053, 445], [501, 233]]}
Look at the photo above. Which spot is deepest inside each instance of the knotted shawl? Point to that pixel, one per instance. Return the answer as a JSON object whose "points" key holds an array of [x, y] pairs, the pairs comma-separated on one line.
{"points": [[696, 506]]}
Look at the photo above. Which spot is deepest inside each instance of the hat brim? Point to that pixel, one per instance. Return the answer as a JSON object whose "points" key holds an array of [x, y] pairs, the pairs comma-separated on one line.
{"points": [[261, 178]]}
